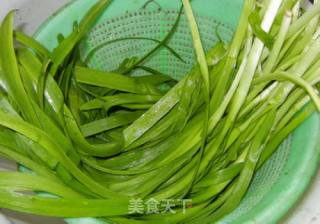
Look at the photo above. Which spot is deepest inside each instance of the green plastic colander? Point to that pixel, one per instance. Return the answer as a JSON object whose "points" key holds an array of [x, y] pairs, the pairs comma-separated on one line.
{"points": [[284, 177]]}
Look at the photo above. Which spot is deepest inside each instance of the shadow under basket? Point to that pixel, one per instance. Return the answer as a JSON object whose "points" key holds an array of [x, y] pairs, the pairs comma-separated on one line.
{"points": [[284, 177]]}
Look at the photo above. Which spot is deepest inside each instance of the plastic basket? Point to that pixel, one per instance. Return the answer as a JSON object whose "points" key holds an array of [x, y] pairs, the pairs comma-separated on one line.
{"points": [[284, 177]]}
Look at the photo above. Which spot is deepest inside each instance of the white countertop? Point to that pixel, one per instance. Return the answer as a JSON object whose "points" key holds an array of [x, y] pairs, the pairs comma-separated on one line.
{"points": [[32, 12]]}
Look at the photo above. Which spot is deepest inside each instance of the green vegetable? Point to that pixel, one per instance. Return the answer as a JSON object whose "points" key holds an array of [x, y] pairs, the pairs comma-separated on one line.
{"points": [[90, 141]]}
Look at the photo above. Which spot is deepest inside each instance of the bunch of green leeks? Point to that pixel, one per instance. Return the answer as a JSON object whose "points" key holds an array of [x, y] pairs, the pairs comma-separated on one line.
{"points": [[96, 139]]}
